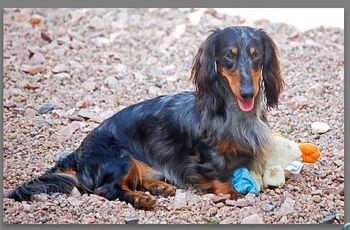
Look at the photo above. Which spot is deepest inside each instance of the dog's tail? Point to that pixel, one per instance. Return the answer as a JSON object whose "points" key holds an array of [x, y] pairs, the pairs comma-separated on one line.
{"points": [[61, 178]]}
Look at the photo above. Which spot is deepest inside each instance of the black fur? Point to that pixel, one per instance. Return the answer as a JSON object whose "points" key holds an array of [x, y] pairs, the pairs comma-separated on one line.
{"points": [[176, 135]]}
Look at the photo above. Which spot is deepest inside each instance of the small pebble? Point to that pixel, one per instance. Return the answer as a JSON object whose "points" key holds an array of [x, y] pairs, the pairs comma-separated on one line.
{"points": [[75, 193], [253, 219], [268, 207], [317, 199], [33, 69], [319, 127], [111, 81], [26, 207], [287, 206], [45, 36], [45, 108], [180, 199], [59, 68], [37, 59], [74, 201], [131, 220], [86, 113], [62, 76], [89, 84], [328, 219]]}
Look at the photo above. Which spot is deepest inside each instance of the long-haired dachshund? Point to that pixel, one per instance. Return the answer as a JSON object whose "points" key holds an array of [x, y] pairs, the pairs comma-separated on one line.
{"points": [[194, 138]]}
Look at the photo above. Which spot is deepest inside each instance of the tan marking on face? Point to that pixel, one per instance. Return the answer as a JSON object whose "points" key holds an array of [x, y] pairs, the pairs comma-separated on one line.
{"points": [[252, 50], [256, 77], [234, 81], [234, 51]]}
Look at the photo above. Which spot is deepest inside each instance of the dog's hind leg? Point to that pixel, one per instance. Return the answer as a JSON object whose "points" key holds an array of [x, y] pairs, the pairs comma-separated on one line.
{"points": [[149, 180], [122, 180], [157, 187]]}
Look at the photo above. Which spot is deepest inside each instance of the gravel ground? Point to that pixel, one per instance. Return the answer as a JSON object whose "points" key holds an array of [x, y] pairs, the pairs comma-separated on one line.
{"points": [[65, 70]]}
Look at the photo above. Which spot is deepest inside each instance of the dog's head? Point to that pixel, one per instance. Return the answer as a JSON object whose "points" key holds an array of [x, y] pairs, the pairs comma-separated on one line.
{"points": [[243, 57]]}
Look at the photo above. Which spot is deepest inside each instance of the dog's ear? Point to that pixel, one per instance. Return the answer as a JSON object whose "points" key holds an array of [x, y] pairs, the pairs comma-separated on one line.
{"points": [[271, 71], [204, 68]]}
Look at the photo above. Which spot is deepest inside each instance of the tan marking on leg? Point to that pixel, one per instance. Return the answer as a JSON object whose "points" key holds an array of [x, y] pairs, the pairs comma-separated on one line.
{"points": [[217, 187], [133, 180], [157, 187]]}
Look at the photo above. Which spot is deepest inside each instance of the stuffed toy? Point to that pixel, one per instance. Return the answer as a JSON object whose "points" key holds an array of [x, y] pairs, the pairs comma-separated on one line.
{"points": [[286, 157]]}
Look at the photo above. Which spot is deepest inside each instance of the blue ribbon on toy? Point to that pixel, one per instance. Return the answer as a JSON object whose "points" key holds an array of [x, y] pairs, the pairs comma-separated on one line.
{"points": [[243, 182]]}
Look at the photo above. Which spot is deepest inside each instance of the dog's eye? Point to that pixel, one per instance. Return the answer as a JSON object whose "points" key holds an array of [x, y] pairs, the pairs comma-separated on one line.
{"points": [[230, 56], [255, 55]]}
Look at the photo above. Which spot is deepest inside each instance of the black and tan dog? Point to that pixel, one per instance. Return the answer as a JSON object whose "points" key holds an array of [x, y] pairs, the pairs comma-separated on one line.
{"points": [[194, 138]]}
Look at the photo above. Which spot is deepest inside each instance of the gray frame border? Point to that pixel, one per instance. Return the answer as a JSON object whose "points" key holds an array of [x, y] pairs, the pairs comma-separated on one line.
{"points": [[198, 4]]}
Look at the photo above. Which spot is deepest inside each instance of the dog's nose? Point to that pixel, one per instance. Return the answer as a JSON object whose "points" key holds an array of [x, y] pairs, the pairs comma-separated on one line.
{"points": [[247, 93]]}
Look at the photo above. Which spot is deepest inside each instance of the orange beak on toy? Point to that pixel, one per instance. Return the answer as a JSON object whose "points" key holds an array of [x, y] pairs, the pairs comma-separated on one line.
{"points": [[310, 152]]}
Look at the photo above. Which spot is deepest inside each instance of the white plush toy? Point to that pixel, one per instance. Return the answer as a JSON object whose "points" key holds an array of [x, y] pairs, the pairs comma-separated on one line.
{"points": [[287, 157]]}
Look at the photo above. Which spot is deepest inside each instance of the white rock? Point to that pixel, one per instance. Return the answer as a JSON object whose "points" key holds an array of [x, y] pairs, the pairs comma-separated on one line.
{"points": [[37, 59], [287, 206], [173, 78], [111, 81], [62, 76], [284, 220], [59, 68], [268, 207], [179, 31], [101, 41], [73, 201], [120, 68], [33, 69], [86, 113], [75, 193], [26, 207], [253, 219], [180, 199], [319, 127], [169, 70], [139, 76], [75, 64], [89, 84]]}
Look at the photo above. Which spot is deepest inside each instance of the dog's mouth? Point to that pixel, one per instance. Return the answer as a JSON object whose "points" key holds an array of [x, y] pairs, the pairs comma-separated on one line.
{"points": [[246, 105]]}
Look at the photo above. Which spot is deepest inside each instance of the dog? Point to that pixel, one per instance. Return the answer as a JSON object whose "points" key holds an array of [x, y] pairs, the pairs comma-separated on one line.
{"points": [[191, 138]]}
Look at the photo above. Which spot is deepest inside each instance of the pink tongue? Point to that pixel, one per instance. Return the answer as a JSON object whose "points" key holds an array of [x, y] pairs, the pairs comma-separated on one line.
{"points": [[246, 105]]}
